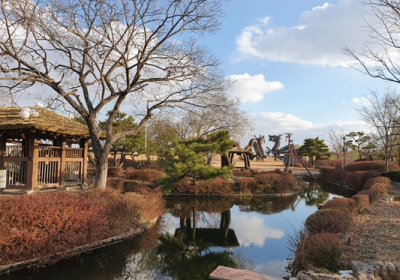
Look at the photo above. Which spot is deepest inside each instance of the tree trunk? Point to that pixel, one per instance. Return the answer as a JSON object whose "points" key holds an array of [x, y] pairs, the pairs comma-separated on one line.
{"points": [[101, 170]]}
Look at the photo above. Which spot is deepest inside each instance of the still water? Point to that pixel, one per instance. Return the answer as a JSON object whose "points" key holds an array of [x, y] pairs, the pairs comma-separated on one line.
{"points": [[196, 235]]}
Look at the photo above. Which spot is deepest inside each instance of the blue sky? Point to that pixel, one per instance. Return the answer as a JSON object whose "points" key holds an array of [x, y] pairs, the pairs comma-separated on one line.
{"points": [[290, 71]]}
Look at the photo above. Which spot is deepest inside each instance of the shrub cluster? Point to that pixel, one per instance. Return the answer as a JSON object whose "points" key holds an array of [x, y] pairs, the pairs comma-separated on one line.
{"points": [[356, 180], [116, 183], [341, 202], [241, 173], [327, 162], [332, 174], [148, 175], [115, 171], [334, 220], [372, 193], [36, 226], [246, 185], [321, 250], [371, 165], [362, 202], [217, 186], [278, 183]]}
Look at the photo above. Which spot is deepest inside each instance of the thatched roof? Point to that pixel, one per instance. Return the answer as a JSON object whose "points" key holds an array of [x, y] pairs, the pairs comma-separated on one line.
{"points": [[45, 121]]}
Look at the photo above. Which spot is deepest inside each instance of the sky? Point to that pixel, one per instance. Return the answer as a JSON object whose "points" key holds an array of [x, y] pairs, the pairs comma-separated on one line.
{"points": [[289, 69]]}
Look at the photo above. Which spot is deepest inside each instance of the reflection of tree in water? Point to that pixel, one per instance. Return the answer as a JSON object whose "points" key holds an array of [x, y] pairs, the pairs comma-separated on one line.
{"points": [[190, 253], [266, 205], [315, 195]]}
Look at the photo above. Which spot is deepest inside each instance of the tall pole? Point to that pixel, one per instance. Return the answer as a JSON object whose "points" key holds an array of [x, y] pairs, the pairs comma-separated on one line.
{"points": [[344, 153]]}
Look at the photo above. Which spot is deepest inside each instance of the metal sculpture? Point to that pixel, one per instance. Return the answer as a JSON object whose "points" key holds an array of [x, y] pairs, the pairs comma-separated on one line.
{"points": [[275, 151], [256, 144]]}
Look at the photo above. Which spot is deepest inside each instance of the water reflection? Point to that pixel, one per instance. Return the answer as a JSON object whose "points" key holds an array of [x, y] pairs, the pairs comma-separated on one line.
{"points": [[194, 237]]}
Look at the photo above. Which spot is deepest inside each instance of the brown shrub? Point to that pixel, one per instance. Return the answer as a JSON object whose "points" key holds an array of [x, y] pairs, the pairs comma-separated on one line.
{"points": [[321, 251], [115, 171], [246, 184], [339, 202], [327, 162], [121, 212], [143, 189], [356, 180], [147, 175], [372, 193], [370, 165], [91, 171], [275, 183], [381, 188], [116, 183], [370, 182], [332, 174], [329, 221], [362, 202], [217, 186], [39, 225], [241, 173]]}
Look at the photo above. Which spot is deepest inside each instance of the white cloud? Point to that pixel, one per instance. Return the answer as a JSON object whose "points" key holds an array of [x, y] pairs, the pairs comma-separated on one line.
{"points": [[361, 101], [274, 123], [252, 88], [316, 39], [258, 233]]}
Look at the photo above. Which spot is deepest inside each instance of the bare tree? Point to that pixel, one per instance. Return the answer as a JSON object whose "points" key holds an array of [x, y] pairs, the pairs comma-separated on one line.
{"points": [[214, 117], [92, 55], [383, 117], [335, 141], [379, 56]]}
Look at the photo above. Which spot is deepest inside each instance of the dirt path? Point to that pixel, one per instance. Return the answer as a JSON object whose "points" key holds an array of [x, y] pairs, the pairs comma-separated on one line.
{"points": [[375, 235]]}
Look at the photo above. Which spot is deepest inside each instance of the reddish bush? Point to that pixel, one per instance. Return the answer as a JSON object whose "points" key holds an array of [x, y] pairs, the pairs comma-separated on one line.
{"points": [[356, 180], [332, 174], [121, 212], [143, 189], [339, 202], [328, 221], [370, 182], [326, 162], [371, 165], [246, 184], [143, 164], [115, 171], [36, 226], [217, 186], [116, 183], [275, 183], [372, 193], [321, 251], [362, 202], [242, 173], [147, 175]]}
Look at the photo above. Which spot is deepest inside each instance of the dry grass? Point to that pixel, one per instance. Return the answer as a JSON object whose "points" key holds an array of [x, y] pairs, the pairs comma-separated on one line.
{"points": [[375, 235]]}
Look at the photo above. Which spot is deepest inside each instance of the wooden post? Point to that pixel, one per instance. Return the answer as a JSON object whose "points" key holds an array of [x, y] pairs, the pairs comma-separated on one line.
{"points": [[61, 173], [84, 144], [33, 162], [3, 141]]}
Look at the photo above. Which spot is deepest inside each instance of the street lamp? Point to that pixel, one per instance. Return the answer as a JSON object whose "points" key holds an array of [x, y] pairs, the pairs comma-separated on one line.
{"points": [[344, 153]]}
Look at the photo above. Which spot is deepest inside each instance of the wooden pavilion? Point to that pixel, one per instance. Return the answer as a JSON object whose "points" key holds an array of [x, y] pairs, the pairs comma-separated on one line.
{"points": [[42, 149]]}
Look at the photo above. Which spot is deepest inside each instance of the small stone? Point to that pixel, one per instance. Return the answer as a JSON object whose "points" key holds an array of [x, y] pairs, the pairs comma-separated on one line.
{"points": [[398, 268], [390, 266]]}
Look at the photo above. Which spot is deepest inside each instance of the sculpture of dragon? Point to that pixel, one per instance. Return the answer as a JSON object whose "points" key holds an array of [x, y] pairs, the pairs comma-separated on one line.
{"points": [[275, 151]]}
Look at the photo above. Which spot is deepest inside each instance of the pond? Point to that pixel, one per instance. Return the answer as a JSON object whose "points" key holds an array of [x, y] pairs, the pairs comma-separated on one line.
{"points": [[196, 235]]}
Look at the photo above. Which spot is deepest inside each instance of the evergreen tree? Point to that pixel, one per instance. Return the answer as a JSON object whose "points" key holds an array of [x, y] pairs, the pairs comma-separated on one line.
{"points": [[314, 148]]}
